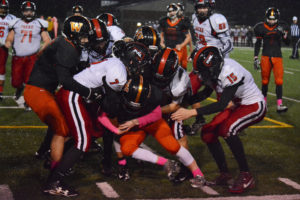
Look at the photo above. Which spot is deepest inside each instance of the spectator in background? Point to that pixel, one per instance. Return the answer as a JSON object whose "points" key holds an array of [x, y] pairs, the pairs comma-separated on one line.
{"points": [[50, 26], [55, 26], [249, 37], [295, 33], [236, 33], [243, 35]]}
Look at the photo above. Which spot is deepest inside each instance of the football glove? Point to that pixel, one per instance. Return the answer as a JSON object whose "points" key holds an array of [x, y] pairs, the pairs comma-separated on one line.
{"points": [[95, 94], [200, 121], [256, 63]]}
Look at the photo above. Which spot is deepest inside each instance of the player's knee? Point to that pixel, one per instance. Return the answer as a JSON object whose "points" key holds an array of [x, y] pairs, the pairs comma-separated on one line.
{"points": [[128, 149], [265, 81], [208, 137], [278, 81]]}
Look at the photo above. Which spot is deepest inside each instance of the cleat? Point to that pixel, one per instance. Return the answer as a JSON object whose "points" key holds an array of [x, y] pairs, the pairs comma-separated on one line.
{"points": [[42, 153], [59, 189], [197, 125], [198, 181], [69, 172], [183, 174], [281, 108], [96, 147], [172, 168], [18, 93], [26, 107], [106, 168], [223, 179], [123, 173], [244, 181]]}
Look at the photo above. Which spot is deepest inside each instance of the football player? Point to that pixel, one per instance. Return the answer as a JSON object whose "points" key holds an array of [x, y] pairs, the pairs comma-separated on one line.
{"points": [[25, 38], [55, 66], [174, 32], [175, 83], [232, 82], [77, 10], [271, 32], [139, 99], [5, 19]]}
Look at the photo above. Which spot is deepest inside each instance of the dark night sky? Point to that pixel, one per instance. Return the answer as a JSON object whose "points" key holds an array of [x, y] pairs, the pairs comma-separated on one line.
{"points": [[246, 12]]}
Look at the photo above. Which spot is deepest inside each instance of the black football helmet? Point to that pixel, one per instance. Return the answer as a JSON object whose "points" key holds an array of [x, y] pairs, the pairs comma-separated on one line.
{"points": [[209, 4], [148, 36], [75, 28], [28, 6], [5, 6], [108, 19], [181, 9], [99, 40], [164, 67], [272, 14], [136, 57], [136, 93], [77, 9], [208, 63], [173, 7]]}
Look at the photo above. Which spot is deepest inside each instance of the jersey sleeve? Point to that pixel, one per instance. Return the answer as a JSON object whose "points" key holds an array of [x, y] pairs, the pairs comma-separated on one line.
{"points": [[218, 23], [258, 30], [44, 24], [12, 23]]}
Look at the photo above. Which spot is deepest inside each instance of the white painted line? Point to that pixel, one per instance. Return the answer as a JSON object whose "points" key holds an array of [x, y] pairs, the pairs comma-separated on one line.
{"points": [[290, 183], [5, 193], [267, 197], [107, 190], [8, 97], [11, 107], [287, 72], [291, 99], [209, 190], [292, 69]]}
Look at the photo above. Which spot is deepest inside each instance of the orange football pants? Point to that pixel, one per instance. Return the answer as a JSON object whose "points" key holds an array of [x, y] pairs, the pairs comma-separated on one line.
{"points": [[43, 103], [182, 57], [160, 130], [269, 63]]}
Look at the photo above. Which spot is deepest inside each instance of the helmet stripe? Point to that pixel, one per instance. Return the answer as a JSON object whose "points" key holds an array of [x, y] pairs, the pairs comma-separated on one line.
{"points": [[97, 27], [163, 61], [28, 4], [197, 55], [138, 96], [109, 20], [154, 37]]}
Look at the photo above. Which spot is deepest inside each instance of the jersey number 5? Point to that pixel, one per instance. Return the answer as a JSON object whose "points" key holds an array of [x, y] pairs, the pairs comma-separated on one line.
{"points": [[25, 33], [232, 78]]}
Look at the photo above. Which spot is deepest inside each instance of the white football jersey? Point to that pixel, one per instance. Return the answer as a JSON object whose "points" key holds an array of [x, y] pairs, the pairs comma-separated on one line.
{"points": [[116, 33], [179, 86], [112, 68], [4, 27], [27, 38], [232, 73], [208, 33]]}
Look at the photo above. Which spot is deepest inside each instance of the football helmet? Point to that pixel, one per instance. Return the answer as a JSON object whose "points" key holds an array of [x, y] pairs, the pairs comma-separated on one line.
{"points": [[77, 9], [208, 63], [75, 28], [28, 6], [135, 93], [171, 8], [5, 6], [148, 36], [181, 9], [136, 57], [209, 4], [164, 67], [100, 38], [272, 16], [108, 19]]}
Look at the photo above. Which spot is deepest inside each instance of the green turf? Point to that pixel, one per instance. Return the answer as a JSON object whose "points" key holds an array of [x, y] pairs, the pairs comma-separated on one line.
{"points": [[271, 153]]}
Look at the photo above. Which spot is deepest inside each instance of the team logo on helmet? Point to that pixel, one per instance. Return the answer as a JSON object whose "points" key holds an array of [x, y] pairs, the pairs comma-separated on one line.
{"points": [[76, 26], [140, 55], [207, 62]]}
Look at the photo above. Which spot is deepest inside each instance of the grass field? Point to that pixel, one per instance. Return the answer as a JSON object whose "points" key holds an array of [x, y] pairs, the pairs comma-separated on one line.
{"points": [[272, 148]]}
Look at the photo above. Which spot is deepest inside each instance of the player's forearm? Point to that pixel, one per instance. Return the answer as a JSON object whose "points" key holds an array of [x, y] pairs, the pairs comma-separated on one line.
{"points": [[172, 107], [186, 41], [257, 46], [162, 40], [9, 40]]}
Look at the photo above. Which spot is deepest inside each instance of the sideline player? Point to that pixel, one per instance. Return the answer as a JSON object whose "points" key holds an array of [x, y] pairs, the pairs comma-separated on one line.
{"points": [[25, 38], [271, 32], [5, 19], [232, 82]]}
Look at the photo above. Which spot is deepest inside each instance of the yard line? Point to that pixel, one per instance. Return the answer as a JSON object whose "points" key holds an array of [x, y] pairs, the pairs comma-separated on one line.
{"points": [[291, 99], [5, 193], [288, 72], [292, 69], [290, 183], [209, 190], [107, 190], [266, 197], [11, 107]]}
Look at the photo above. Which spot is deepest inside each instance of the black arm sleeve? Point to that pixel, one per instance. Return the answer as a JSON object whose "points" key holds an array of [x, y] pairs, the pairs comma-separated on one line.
{"points": [[257, 46], [66, 79], [200, 96], [226, 97]]}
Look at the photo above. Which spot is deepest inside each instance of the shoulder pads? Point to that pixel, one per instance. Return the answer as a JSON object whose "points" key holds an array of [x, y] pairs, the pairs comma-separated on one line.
{"points": [[218, 22], [44, 23]]}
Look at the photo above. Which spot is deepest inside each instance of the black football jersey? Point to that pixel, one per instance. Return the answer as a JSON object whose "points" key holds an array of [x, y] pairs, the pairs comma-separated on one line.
{"points": [[174, 33], [55, 65], [271, 37]]}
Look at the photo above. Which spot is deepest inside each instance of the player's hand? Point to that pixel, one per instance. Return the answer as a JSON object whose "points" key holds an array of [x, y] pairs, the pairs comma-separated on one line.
{"points": [[183, 114], [128, 125], [95, 94], [256, 64]]}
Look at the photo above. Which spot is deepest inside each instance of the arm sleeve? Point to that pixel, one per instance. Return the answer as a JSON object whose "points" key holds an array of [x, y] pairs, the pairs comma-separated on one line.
{"points": [[226, 97], [103, 119], [226, 41], [151, 117], [200, 96], [257, 46]]}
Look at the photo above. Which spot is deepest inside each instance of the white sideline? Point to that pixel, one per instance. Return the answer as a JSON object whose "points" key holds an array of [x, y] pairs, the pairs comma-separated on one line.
{"points": [[5, 193], [266, 197], [107, 190], [290, 183], [209, 190], [291, 99]]}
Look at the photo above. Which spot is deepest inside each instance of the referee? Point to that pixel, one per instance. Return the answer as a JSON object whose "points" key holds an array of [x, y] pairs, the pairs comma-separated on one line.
{"points": [[295, 33]]}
